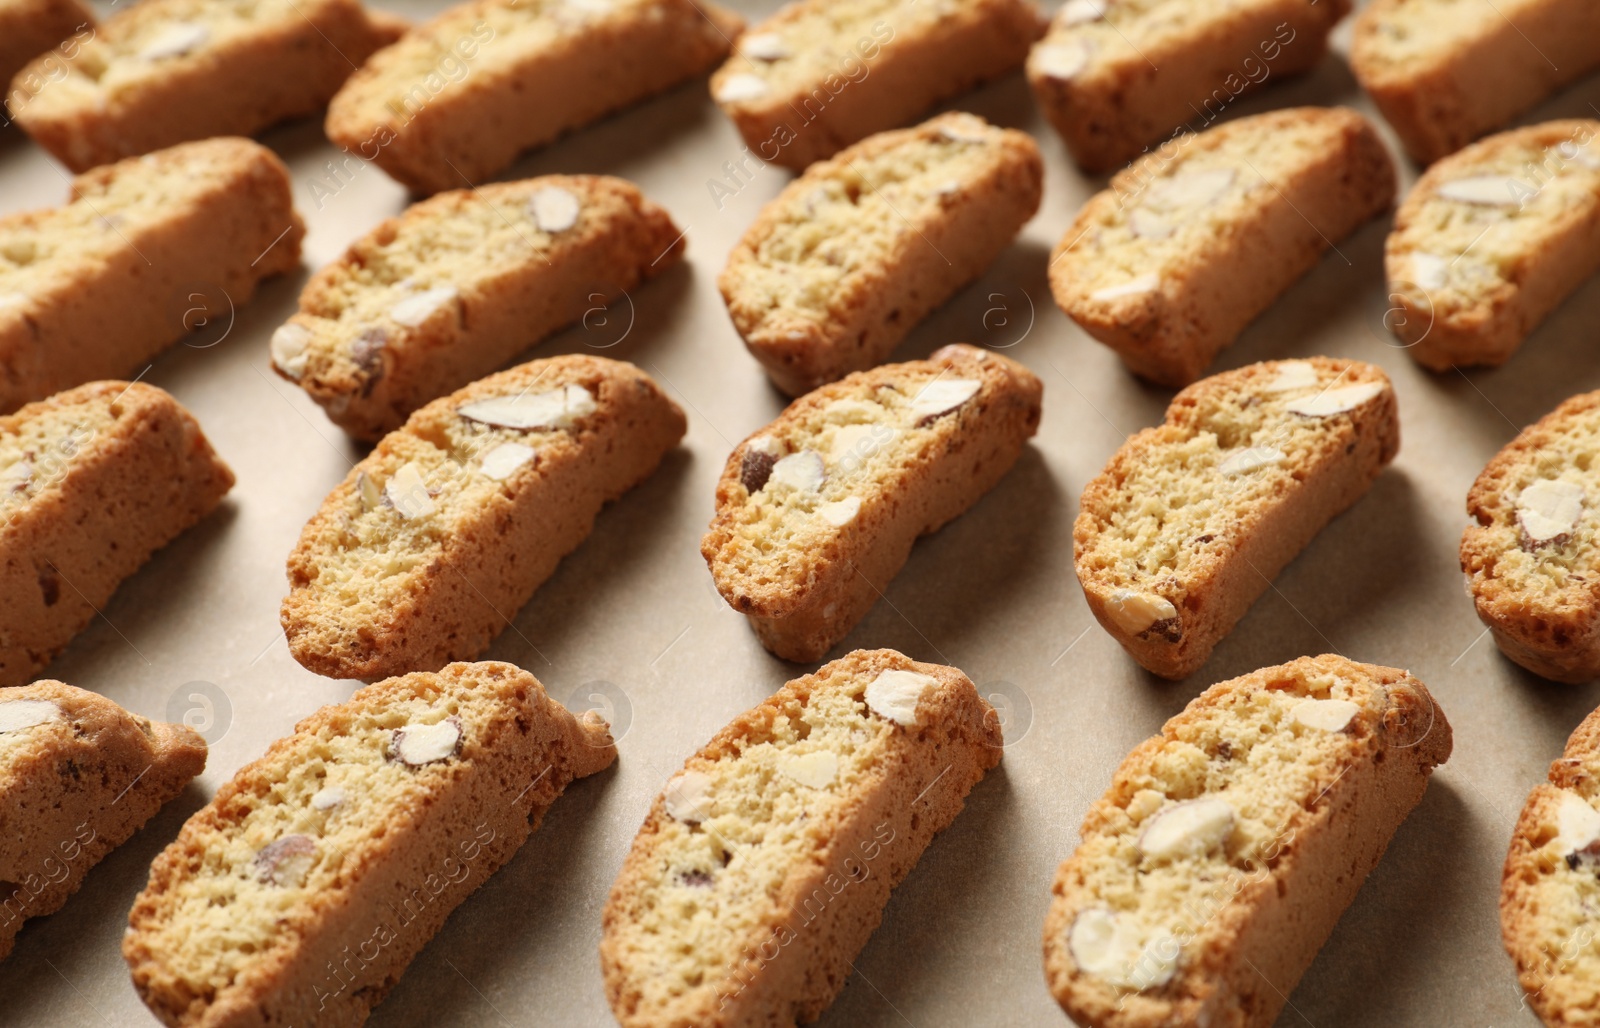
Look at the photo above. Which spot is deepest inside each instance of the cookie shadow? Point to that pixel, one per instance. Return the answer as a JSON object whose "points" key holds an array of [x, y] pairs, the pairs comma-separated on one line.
{"points": [[634, 326], [999, 311]]}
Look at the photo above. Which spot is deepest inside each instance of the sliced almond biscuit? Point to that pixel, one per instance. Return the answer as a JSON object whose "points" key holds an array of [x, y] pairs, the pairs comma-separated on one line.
{"points": [[1118, 77], [822, 74], [166, 71], [1491, 240], [460, 284], [853, 254], [29, 28], [1191, 520], [819, 510], [1550, 887], [1227, 847], [145, 250], [1532, 557], [764, 866], [425, 549], [1444, 72], [78, 776], [1187, 247], [458, 98], [303, 890], [92, 482]]}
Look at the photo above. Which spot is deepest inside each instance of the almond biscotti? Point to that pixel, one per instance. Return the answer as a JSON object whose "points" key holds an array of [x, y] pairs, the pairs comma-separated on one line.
{"points": [[822, 74], [1444, 72], [1549, 888], [457, 99], [92, 482], [96, 288], [819, 510], [425, 549], [1531, 556], [1227, 847], [1186, 248], [765, 865], [30, 27], [854, 253], [78, 776], [302, 892], [166, 71], [1191, 520], [1492, 239], [460, 284], [1116, 77]]}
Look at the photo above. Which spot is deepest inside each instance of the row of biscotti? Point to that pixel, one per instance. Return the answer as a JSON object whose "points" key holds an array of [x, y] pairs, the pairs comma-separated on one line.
{"points": [[1208, 876], [1189, 245], [442, 105]]}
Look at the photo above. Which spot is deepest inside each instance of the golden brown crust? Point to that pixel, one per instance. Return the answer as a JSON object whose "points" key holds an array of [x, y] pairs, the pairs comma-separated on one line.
{"points": [[851, 68], [1194, 575], [485, 544], [30, 27], [805, 582], [108, 100], [1444, 74], [1245, 919], [74, 788], [459, 97], [790, 949], [1301, 180], [387, 861], [971, 211], [129, 471], [1140, 80]]}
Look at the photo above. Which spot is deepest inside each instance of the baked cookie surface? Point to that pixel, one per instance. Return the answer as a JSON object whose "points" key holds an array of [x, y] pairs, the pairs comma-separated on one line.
{"points": [[163, 72], [1191, 520], [460, 284], [92, 482], [1445, 72], [1118, 77], [28, 28], [821, 74], [1184, 249], [458, 98], [820, 509], [78, 776], [1531, 557], [430, 543], [1491, 239], [302, 892], [1228, 846], [855, 252], [765, 865], [95, 288]]}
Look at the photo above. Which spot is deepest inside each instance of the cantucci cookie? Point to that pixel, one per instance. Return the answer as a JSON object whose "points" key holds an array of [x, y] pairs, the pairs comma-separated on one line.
{"points": [[1116, 77], [1169, 264], [457, 99], [819, 510], [300, 894], [1227, 847], [1550, 886], [1492, 239], [822, 74], [418, 557], [92, 482], [30, 27], [460, 284], [765, 865], [1444, 72], [1191, 520], [165, 71], [1532, 558], [78, 776], [96, 288], [855, 252]]}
